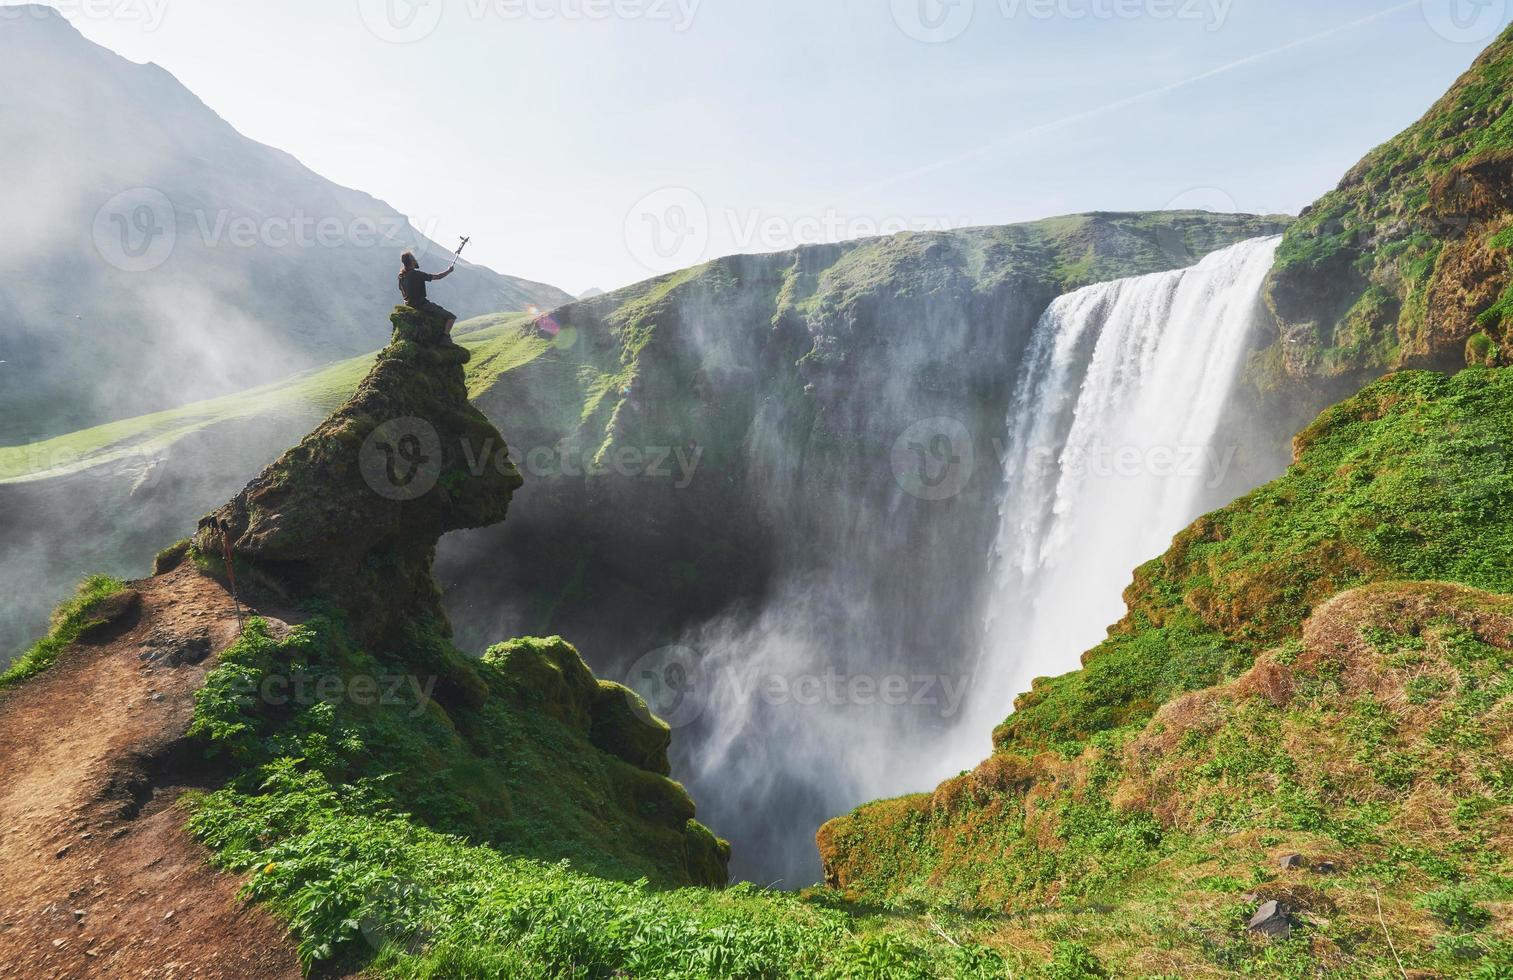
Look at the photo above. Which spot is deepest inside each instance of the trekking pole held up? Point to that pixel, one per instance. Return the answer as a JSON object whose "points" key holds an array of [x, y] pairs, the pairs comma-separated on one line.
{"points": [[458, 254]]}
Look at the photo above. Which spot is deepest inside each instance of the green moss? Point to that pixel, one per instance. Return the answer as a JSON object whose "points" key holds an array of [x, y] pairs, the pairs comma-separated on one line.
{"points": [[1498, 312], [69, 621], [468, 746], [624, 727], [1482, 350]]}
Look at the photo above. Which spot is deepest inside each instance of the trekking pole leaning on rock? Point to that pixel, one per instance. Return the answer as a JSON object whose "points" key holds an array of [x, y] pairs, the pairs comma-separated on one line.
{"points": [[231, 572]]}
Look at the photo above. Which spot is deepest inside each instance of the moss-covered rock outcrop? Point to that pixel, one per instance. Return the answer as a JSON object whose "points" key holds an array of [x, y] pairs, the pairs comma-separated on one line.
{"points": [[352, 514], [1409, 262], [509, 751], [549, 675]]}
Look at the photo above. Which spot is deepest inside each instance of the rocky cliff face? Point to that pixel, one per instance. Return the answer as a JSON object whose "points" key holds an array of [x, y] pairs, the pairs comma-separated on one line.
{"points": [[706, 447], [352, 514], [773, 390], [792, 372], [1409, 262]]}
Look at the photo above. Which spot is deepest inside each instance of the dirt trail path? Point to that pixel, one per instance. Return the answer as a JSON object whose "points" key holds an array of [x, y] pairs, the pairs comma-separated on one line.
{"points": [[98, 877]]}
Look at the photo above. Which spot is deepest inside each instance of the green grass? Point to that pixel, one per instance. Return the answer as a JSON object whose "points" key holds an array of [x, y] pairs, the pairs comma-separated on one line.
{"points": [[485, 834], [1165, 827], [362, 885], [71, 619]]}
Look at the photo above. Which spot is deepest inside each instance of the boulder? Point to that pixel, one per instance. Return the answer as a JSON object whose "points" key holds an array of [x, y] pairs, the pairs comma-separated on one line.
{"points": [[1272, 920]]}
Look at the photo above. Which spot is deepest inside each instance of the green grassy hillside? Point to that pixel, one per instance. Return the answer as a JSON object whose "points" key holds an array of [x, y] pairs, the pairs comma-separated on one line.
{"points": [[518, 824], [496, 342], [1251, 705]]}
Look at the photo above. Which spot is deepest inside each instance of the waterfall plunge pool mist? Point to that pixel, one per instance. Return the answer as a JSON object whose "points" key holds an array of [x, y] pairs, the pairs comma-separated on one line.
{"points": [[829, 694]]}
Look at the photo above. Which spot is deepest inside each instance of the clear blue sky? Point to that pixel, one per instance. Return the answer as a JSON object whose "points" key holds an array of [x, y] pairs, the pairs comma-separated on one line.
{"points": [[541, 128]]}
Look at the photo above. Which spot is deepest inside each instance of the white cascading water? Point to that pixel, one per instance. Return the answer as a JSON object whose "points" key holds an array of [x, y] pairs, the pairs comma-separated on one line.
{"points": [[1112, 452]]}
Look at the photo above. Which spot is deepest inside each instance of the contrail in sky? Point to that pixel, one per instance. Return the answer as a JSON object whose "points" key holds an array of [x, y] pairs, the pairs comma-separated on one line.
{"points": [[1003, 141]]}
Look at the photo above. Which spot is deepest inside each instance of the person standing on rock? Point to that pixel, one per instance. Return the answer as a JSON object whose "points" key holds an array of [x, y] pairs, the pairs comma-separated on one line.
{"points": [[412, 286]]}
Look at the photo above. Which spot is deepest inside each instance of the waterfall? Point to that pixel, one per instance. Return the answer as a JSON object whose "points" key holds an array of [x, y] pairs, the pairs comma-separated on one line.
{"points": [[1112, 450], [794, 721]]}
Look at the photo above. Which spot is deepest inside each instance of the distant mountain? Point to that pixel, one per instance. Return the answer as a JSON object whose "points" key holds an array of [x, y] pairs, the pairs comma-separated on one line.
{"points": [[591, 293], [157, 256]]}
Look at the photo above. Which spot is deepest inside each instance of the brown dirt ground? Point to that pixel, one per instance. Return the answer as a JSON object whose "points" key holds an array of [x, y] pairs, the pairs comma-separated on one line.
{"points": [[98, 877]]}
